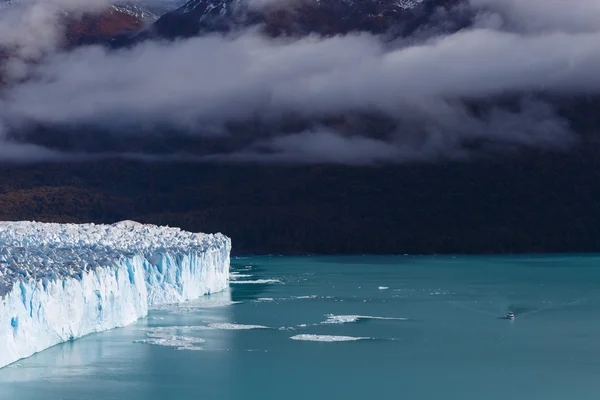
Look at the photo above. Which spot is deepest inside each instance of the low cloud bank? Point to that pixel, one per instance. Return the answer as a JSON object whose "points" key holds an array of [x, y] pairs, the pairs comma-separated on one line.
{"points": [[429, 91]]}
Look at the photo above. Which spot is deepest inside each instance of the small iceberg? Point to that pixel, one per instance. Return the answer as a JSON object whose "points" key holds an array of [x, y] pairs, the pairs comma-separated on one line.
{"points": [[343, 319], [235, 327], [328, 338]]}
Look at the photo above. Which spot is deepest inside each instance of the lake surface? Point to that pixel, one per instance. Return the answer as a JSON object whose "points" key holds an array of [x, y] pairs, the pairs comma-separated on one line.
{"points": [[288, 329]]}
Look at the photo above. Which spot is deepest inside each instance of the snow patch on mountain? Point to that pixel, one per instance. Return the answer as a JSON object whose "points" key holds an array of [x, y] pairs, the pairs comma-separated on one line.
{"points": [[206, 6], [136, 10]]}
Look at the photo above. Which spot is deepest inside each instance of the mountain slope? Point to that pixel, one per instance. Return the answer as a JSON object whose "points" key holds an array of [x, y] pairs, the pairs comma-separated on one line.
{"points": [[146, 14], [301, 17], [97, 27], [100, 28]]}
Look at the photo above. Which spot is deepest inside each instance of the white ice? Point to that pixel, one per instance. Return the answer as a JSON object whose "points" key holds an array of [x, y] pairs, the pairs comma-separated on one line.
{"points": [[343, 319], [62, 281], [234, 327], [236, 275], [177, 341], [327, 338]]}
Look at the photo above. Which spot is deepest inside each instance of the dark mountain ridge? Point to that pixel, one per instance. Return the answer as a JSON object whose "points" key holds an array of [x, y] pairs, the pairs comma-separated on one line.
{"points": [[302, 17]]}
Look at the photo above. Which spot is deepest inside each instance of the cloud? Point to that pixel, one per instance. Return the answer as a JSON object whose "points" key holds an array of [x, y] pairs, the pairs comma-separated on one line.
{"points": [[32, 28], [317, 147], [538, 16], [534, 124], [424, 89], [23, 152]]}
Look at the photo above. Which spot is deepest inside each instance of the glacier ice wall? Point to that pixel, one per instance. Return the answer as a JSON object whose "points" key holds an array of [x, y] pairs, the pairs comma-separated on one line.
{"points": [[59, 282]]}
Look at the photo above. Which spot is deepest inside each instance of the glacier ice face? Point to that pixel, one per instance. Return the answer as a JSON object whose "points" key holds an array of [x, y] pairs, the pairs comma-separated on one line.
{"points": [[62, 281]]}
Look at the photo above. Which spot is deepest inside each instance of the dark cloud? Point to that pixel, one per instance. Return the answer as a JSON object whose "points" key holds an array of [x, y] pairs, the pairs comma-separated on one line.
{"points": [[426, 87], [24, 152]]}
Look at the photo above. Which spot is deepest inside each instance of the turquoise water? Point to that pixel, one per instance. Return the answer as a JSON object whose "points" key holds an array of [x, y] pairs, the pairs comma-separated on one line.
{"points": [[447, 342]]}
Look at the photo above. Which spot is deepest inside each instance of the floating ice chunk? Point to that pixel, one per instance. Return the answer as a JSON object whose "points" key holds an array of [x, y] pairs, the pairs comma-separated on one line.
{"points": [[236, 275], [257, 281], [166, 338], [328, 338], [221, 299], [383, 288], [173, 330], [286, 328], [235, 327], [186, 308], [191, 348], [343, 319]]}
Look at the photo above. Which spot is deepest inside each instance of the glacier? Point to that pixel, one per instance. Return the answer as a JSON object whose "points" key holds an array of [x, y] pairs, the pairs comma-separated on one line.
{"points": [[59, 282]]}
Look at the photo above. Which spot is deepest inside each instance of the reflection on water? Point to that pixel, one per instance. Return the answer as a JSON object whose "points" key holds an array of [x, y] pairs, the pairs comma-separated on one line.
{"points": [[73, 359], [108, 364]]}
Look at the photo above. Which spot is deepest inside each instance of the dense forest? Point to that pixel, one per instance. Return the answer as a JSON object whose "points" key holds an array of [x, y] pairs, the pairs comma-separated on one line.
{"points": [[543, 203]]}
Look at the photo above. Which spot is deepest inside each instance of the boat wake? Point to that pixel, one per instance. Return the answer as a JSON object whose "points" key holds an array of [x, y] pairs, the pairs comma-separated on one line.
{"points": [[520, 311]]}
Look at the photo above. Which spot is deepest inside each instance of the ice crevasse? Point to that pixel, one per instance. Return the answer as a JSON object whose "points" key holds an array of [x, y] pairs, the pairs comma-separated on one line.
{"points": [[62, 281]]}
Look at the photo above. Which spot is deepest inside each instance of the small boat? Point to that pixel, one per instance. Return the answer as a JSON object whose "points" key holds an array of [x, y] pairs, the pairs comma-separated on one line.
{"points": [[510, 315]]}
